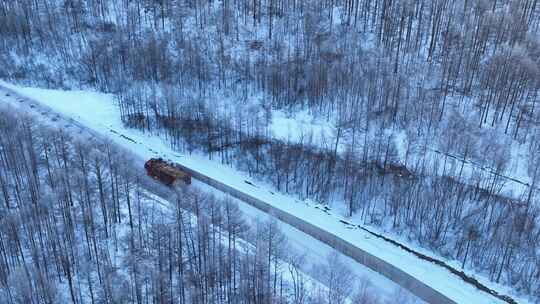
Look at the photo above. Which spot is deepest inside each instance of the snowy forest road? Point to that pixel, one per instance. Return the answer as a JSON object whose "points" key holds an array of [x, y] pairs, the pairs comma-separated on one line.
{"points": [[312, 249], [392, 272]]}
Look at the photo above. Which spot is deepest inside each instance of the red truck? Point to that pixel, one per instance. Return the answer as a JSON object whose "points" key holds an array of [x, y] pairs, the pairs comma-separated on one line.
{"points": [[165, 172]]}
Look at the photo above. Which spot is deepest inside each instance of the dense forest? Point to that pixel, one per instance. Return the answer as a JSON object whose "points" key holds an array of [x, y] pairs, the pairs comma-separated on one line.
{"points": [[78, 226], [461, 77]]}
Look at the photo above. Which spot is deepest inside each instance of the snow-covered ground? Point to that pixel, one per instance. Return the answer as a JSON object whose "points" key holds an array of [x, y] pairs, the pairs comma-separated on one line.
{"points": [[98, 112], [314, 252], [302, 124]]}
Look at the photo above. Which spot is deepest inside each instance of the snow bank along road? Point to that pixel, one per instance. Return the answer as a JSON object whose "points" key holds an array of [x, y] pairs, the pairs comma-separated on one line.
{"points": [[425, 279]]}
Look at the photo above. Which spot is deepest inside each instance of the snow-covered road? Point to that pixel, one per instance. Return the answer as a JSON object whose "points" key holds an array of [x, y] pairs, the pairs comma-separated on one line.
{"points": [[98, 113]]}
